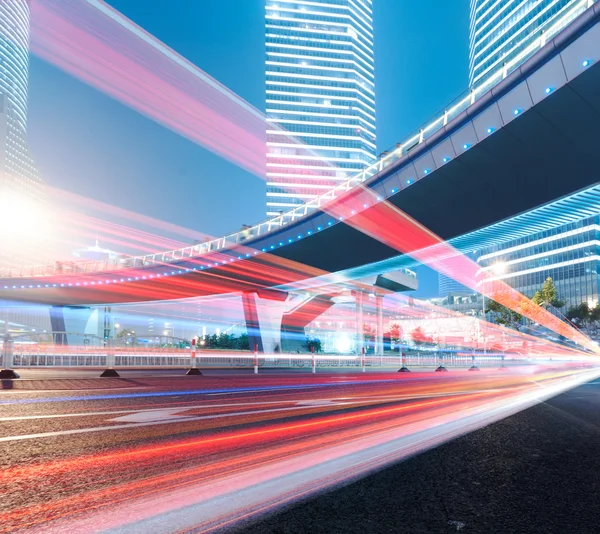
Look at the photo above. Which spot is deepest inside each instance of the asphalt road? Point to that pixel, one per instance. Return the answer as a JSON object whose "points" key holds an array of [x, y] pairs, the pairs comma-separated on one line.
{"points": [[535, 472], [178, 454]]}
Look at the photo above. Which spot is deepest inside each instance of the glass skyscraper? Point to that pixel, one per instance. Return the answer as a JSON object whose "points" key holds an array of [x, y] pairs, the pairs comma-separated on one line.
{"points": [[14, 56], [22, 197], [568, 254], [447, 286], [500, 29], [320, 97]]}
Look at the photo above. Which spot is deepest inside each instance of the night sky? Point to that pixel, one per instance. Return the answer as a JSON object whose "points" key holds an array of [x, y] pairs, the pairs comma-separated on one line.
{"points": [[89, 144]]}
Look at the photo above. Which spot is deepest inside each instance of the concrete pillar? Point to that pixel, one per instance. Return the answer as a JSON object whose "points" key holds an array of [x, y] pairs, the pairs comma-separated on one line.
{"points": [[263, 312], [360, 337], [109, 344], [57, 322], [7, 372], [252, 323], [379, 307], [69, 323], [295, 321]]}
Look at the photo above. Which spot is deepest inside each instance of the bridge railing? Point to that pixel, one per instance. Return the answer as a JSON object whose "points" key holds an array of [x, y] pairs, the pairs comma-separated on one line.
{"points": [[525, 49], [50, 356]]}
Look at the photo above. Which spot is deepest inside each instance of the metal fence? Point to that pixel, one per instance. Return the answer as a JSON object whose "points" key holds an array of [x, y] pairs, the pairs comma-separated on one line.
{"points": [[52, 355]]}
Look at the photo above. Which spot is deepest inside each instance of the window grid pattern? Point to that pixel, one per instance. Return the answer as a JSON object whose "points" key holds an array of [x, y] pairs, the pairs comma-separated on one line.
{"points": [[569, 254], [14, 55], [320, 92], [498, 27], [18, 172]]}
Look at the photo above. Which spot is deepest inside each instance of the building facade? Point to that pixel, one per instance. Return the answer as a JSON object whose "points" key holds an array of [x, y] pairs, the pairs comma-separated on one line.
{"points": [[500, 32], [501, 29], [568, 254], [448, 286], [320, 97], [14, 56], [22, 200]]}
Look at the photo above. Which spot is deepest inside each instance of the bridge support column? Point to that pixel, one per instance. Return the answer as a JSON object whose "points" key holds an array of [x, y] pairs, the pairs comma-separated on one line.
{"points": [[263, 311], [379, 309], [68, 323], [360, 335], [110, 371], [57, 322], [7, 372], [295, 321]]}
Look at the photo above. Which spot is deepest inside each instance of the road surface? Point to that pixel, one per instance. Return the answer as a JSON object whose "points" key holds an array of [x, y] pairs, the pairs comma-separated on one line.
{"points": [[178, 454]]}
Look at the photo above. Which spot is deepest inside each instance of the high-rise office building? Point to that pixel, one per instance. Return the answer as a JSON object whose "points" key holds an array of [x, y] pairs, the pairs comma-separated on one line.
{"points": [[14, 56], [447, 286], [22, 198], [320, 76], [569, 254], [501, 29]]}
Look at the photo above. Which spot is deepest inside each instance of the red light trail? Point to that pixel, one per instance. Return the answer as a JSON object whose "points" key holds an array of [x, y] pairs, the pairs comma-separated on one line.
{"points": [[98, 45], [305, 440]]}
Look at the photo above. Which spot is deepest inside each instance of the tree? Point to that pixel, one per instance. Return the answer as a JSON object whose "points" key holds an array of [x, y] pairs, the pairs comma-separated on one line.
{"points": [[395, 333], [421, 338], [393, 337], [584, 317], [211, 342], [547, 296], [125, 333], [368, 333], [502, 315], [313, 343], [242, 342], [225, 341]]}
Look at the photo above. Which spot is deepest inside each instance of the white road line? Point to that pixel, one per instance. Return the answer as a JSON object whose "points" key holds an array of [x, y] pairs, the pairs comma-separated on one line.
{"points": [[305, 402], [182, 419], [89, 390], [136, 410]]}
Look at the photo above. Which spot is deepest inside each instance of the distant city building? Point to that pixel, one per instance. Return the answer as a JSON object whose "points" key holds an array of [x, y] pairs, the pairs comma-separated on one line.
{"points": [[568, 254], [320, 76], [97, 253], [447, 285], [501, 30], [22, 200], [466, 302]]}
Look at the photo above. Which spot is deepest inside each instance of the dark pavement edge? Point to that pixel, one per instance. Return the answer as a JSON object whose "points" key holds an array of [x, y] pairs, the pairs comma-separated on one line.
{"points": [[535, 472]]}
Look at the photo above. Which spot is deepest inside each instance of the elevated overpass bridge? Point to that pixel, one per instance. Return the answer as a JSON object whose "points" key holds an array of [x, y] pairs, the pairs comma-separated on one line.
{"points": [[500, 150], [527, 141]]}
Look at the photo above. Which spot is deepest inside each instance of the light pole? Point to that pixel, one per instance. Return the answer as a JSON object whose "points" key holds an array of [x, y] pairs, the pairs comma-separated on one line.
{"points": [[498, 268]]}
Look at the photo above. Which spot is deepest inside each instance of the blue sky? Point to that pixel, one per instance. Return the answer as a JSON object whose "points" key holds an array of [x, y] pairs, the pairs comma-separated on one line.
{"points": [[86, 143]]}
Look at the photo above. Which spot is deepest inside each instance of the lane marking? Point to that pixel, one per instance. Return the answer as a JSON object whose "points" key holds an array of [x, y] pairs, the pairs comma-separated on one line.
{"points": [[30, 391], [207, 392], [193, 418], [163, 414], [306, 402], [148, 423], [138, 410]]}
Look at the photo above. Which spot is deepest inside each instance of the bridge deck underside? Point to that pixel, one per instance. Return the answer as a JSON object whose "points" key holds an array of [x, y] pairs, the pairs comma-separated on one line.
{"points": [[550, 151]]}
